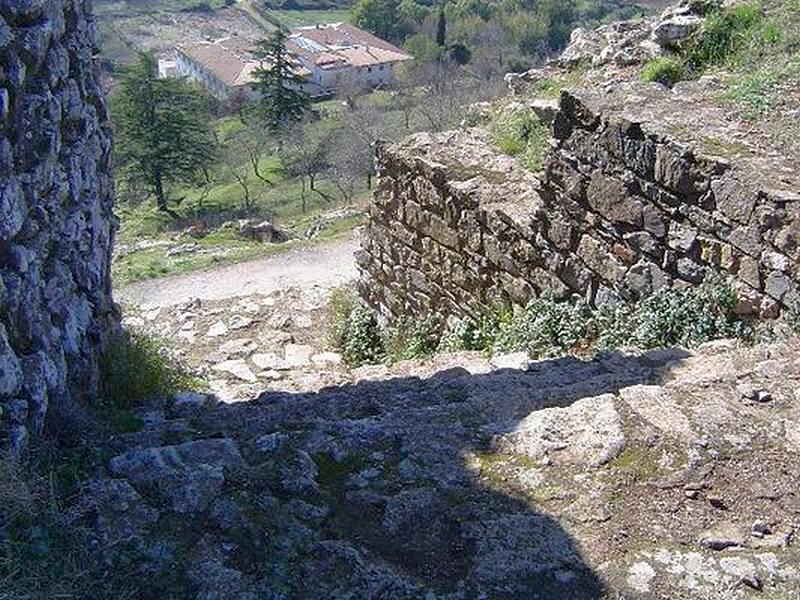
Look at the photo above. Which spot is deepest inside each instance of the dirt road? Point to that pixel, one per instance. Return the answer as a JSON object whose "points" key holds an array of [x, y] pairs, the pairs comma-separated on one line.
{"points": [[324, 265]]}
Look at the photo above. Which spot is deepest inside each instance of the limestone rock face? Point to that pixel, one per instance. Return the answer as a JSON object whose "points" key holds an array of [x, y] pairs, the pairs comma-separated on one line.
{"points": [[56, 224]]}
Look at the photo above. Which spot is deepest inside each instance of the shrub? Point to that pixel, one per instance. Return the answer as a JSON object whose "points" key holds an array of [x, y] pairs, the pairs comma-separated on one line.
{"points": [[672, 316], [137, 367], [725, 32], [412, 338], [340, 305], [666, 71], [793, 317], [469, 334], [362, 339], [353, 329], [545, 328], [520, 133]]}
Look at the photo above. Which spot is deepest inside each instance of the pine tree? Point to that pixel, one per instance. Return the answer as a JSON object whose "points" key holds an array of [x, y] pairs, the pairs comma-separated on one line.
{"points": [[161, 127], [282, 98]]}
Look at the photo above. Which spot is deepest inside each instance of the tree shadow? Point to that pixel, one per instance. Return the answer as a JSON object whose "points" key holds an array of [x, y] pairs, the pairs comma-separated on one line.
{"points": [[401, 474]]}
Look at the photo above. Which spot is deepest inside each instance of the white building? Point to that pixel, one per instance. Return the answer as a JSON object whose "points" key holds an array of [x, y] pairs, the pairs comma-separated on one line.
{"points": [[224, 67], [331, 58], [340, 56]]}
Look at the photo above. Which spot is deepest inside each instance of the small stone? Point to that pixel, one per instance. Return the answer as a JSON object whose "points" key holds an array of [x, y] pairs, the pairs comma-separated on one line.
{"points": [[761, 528], [692, 494], [297, 355], [752, 581], [239, 322], [764, 396], [236, 347], [513, 360], [217, 329], [748, 391], [269, 361], [717, 502], [238, 368], [721, 536], [271, 374], [327, 358], [190, 403]]}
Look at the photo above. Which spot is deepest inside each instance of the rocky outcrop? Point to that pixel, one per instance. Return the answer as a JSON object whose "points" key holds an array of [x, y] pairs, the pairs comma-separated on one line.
{"points": [[612, 50], [56, 225]]}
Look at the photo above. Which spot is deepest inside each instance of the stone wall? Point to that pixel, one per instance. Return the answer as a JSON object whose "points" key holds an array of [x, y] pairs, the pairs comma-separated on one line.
{"points": [[621, 211], [56, 224]]}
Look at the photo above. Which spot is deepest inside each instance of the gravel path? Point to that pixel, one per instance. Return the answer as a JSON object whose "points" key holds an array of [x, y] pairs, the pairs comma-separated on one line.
{"points": [[325, 265]]}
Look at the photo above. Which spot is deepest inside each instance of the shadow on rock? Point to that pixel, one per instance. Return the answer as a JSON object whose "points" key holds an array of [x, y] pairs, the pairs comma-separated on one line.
{"points": [[426, 486]]}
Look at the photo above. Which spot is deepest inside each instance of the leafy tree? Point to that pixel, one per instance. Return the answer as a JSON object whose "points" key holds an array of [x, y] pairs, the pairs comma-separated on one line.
{"points": [[459, 54], [381, 17], [412, 14], [423, 48], [282, 98], [161, 130], [305, 153]]}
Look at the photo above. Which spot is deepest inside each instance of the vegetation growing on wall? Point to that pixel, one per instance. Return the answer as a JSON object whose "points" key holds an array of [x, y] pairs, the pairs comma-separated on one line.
{"points": [[519, 132], [546, 327]]}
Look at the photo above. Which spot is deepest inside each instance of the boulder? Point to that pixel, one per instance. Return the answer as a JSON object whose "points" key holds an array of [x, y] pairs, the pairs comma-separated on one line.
{"points": [[262, 231]]}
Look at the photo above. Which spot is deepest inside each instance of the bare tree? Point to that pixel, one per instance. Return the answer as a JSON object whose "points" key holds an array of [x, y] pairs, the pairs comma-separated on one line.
{"points": [[241, 175], [350, 161], [446, 91], [305, 156], [254, 144]]}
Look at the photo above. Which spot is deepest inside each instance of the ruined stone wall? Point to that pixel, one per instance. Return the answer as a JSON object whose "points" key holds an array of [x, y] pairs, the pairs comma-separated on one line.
{"points": [[643, 211], [621, 212], [56, 224]]}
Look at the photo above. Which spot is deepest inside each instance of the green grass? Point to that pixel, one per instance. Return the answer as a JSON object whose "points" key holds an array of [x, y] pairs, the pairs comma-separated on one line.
{"points": [[666, 71], [300, 18], [522, 134], [136, 368], [551, 87], [726, 33], [154, 262]]}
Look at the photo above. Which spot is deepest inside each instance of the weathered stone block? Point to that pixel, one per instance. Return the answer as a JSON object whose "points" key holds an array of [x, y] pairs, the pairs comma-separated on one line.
{"points": [[736, 200], [610, 197], [748, 272], [778, 285], [676, 170], [597, 256], [682, 237]]}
